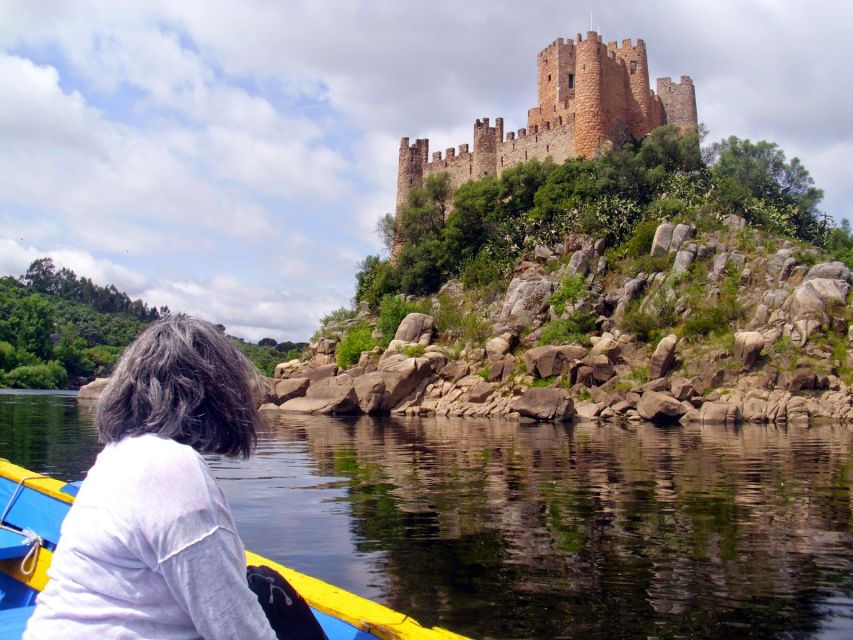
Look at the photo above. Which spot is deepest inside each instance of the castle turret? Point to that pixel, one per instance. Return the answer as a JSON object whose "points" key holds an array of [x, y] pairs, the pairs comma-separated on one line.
{"points": [[486, 141], [589, 121], [640, 117], [679, 102], [410, 170], [410, 174]]}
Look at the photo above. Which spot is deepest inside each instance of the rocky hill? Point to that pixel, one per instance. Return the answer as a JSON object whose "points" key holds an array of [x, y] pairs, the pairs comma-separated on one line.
{"points": [[712, 320]]}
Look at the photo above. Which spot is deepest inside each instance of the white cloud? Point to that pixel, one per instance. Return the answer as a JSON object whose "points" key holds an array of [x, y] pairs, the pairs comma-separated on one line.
{"points": [[15, 258]]}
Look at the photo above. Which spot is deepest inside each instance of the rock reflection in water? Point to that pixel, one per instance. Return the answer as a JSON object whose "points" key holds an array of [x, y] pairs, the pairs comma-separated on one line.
{"points": [[500, 530]]}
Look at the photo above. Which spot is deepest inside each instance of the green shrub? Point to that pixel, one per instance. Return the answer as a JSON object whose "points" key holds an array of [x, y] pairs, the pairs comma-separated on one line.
{"points": [[706, 321], [640, 243], [37, 376], [645, 326], [7, 356], [485, 270], [392, 310], [293, 354], [338, 315], [715, 317], [414, 350], [458, 318], [543, 382], [665, 208], [355, 342], [570, 291], [746, 240], [573, 329], [651, 264]]}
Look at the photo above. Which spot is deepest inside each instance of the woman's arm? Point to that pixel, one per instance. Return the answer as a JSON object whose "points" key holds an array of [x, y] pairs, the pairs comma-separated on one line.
{"points": [[208, 580]]}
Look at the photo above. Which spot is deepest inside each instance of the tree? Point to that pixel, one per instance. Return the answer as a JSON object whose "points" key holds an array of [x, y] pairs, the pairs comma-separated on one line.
{"points": [[386, 229], [32, 324], [41, 276], [472, 222], [70, 352], [754, 176], [426, 209]]}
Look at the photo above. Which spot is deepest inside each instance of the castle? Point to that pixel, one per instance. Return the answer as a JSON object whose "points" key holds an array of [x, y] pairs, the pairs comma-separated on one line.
{"points": [[590, 94]]}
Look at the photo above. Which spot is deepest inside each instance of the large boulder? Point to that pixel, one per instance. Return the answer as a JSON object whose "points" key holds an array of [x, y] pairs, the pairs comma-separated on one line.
{"points": [[526, 297], [748, 346], [319, 372], [663, 357], [545, 404], [290, 388], [480, 392], [809, 301], [608, 347], [831, 270], [370, 391], [602, 369], [326, 346], [681, 234], [416, 328], [289, 369], [552, 360], [683, 259], [660, 408], [662, 239], [579, 263], [719, 412], [92, 391], [329, 396], [402, 376], [454, 370], [500, 345]]}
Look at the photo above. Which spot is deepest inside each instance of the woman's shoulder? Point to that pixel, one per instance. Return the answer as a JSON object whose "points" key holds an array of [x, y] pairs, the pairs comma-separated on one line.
{"points": [[151, 461]]}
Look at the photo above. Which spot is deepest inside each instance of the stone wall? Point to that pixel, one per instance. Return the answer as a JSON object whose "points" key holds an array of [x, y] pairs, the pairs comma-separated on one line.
{"points": [[557, 143]]}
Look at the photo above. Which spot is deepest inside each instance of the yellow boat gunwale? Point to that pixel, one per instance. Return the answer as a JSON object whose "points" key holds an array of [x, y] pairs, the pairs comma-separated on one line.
{"points": [[364, 614]]}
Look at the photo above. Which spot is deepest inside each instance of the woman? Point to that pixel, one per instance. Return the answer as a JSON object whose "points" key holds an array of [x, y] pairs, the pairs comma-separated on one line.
{"points": [[149, 549]]}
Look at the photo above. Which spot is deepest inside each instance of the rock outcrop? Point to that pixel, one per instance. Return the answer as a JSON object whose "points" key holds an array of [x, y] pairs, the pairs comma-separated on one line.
{"points": [[780, 357], [545, 404]]}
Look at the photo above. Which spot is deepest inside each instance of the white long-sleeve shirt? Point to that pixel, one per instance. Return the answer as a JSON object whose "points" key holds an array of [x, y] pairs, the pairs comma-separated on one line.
{"points": [[149, 550]]}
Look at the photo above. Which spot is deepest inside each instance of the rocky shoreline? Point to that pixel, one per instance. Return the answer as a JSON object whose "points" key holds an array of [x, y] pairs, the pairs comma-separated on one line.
{"points": [[783, 361], [769, 372]]}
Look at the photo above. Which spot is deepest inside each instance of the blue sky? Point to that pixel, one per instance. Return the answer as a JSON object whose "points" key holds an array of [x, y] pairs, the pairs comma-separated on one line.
{"points": [[230, 159]]}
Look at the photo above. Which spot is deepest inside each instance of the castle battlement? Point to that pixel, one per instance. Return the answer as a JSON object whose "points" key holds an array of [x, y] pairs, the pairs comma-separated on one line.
{"points": [[590, 94]]}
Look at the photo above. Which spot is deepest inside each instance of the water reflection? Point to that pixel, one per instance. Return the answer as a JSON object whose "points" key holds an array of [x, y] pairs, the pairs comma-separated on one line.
{"points": [[47, 432], [499, 530], [586, 531]]}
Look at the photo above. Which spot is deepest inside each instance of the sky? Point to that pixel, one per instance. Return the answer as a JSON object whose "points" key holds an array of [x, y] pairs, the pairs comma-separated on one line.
{"points": [[231, 159]]}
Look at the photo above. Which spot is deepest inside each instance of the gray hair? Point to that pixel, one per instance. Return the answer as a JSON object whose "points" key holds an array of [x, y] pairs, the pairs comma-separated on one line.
{"points": [[183, 379]]}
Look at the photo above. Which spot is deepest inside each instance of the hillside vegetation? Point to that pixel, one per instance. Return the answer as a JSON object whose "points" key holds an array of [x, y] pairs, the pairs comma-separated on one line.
{"points": [[664, 176], [58, 329]]}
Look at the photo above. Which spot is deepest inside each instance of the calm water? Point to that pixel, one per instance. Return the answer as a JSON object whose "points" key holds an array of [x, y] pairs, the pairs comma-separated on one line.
{"points": [[498, 530]]}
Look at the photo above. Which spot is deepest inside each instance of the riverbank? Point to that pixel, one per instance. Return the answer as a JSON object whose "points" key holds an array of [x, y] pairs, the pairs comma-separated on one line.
{"points": [[761, 335]]}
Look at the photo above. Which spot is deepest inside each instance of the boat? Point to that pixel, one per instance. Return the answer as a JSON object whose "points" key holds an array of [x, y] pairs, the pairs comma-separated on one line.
{"points": [[33, 506]]}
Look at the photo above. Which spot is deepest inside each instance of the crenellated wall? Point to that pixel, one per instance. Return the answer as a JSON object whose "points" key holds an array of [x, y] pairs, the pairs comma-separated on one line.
{"points": [[589, 94]]}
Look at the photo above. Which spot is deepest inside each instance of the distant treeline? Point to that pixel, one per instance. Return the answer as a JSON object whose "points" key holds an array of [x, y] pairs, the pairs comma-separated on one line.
{"points": [[58, 329], [42, 277]]}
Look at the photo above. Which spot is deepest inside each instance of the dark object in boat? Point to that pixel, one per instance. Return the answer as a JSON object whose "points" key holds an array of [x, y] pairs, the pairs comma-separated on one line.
{"points": [[288, 613]]}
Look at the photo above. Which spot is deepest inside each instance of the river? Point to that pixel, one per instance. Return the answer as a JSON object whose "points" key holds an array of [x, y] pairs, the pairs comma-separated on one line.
{"points": [[498, 530]]}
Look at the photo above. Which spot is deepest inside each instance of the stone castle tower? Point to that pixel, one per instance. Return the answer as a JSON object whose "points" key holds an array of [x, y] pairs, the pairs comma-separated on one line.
{"points": [[590, 95]]}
